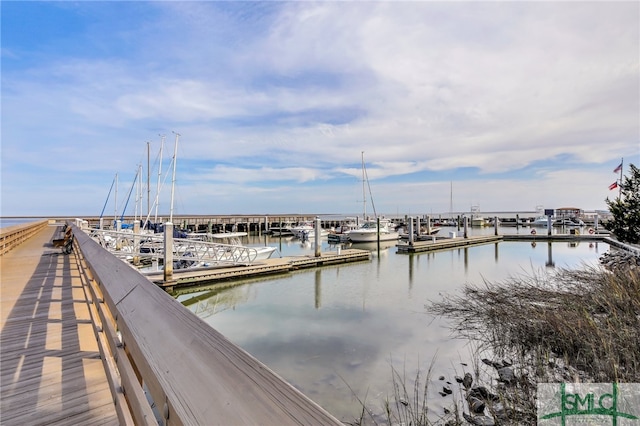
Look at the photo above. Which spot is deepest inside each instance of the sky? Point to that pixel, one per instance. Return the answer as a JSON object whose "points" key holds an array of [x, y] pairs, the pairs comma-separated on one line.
{"points": [[504, 106]]}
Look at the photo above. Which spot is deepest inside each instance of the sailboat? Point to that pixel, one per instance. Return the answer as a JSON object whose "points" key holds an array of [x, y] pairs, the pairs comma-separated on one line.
{"points": [[369, 231]]}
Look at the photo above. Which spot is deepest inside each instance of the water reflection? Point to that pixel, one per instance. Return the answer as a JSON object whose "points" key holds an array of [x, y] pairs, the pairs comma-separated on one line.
{"points": [[337, 330]]}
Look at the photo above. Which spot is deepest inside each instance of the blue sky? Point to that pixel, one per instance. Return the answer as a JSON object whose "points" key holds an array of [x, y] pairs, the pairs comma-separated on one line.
{"points": [[514, 104]]}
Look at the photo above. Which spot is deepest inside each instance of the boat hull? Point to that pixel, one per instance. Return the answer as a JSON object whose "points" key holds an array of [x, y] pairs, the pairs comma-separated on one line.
{"points": [[358, 236]]}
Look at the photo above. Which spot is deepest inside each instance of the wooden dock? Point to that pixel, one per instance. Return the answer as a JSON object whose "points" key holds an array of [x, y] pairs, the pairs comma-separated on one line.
{"points": [[186, 277], [51, 370], [446, 243]]}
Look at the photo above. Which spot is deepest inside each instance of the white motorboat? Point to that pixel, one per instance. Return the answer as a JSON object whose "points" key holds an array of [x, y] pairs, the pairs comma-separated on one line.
{"points": [[540, 221], [369, 231], [306, 231]]}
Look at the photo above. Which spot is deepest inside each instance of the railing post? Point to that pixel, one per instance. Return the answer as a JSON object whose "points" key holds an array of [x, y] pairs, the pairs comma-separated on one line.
{"points": [[168, 251]]}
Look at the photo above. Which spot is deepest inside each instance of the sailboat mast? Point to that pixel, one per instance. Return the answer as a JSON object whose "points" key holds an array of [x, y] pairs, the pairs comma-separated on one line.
{"points": [[115, 202], [155, 220], [148, 181], [364, 193], [451, 200], [173, 178]]}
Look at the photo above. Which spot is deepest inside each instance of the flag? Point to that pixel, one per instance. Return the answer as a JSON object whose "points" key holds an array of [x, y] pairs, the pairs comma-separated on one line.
{"points": [[617, 169], [614, 185]]}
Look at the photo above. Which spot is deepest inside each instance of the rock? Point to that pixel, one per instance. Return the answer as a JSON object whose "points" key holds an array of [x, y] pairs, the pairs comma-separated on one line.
{"points": [[483, 393], [479, 420], [447, 390], [403, 402], [476, 405], [467, 381], [442, 394], [506, 375], [494, 364], [458, 379], [441, 378]]}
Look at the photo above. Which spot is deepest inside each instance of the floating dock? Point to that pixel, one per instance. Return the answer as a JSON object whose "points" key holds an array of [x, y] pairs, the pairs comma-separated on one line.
{"points": [[446, 243], [457, 242], [191, 277]]}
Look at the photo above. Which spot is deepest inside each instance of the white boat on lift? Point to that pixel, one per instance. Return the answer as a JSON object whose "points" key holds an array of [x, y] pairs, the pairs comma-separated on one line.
{"points": [[233, 239]]}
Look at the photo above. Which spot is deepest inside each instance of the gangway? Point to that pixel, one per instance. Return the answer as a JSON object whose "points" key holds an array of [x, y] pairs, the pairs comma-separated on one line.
{"points": [[147, 248]]}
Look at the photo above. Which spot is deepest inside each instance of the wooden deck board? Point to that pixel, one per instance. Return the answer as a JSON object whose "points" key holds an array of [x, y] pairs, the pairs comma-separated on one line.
{"points": [[50, 369]]}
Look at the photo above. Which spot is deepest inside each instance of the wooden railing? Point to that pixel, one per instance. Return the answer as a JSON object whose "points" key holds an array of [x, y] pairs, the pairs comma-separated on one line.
{"points": [[190, 372], [12, 236]]}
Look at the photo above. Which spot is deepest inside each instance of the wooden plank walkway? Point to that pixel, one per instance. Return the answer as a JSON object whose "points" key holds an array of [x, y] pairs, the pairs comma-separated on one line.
{"points": [[51, 372]]}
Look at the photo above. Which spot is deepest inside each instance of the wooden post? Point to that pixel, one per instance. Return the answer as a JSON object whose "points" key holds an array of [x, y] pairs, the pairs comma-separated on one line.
{"points": [[466, 226], [168, 252], [378, 234], [495, 225], [428, 225], [136, 242], [548, 225], [318, 232], [410, 231], [101, 226]]}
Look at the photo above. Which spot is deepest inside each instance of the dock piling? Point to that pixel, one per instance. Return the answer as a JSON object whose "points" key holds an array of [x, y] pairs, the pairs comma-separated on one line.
{"points": [[168, 252], [318, 234]]}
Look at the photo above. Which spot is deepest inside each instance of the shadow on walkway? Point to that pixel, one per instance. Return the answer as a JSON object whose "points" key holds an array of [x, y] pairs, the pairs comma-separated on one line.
{"points": [[51, 370]]}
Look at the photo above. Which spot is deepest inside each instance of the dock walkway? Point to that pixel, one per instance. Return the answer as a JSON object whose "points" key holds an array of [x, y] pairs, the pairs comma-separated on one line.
{"points": [[51, 372]]}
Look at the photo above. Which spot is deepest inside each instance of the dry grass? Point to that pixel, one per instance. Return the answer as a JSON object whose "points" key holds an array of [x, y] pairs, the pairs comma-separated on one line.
{"points": [[589, 318], [563, 325]]}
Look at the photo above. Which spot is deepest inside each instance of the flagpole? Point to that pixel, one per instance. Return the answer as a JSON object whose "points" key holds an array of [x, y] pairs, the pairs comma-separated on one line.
{"points": [[620, 182]]}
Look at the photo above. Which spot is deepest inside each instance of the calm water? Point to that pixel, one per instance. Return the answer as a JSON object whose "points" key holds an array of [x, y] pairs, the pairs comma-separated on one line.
{"points": [[336, 331]]}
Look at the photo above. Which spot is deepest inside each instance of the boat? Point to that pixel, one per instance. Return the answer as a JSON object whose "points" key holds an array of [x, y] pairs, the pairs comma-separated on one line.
{"points": [[369, 231], [569, 222], [340, 235], [233, 239], [284, 229], [539, 221], [307, 231]]}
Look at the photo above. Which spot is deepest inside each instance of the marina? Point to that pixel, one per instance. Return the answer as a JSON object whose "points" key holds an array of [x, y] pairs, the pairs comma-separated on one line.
{"points": [[331, 319]]}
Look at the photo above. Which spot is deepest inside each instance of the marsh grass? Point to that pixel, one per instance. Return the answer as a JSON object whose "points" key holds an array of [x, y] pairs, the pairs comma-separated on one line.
{"points": [[588, 319], [553, 326]]}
